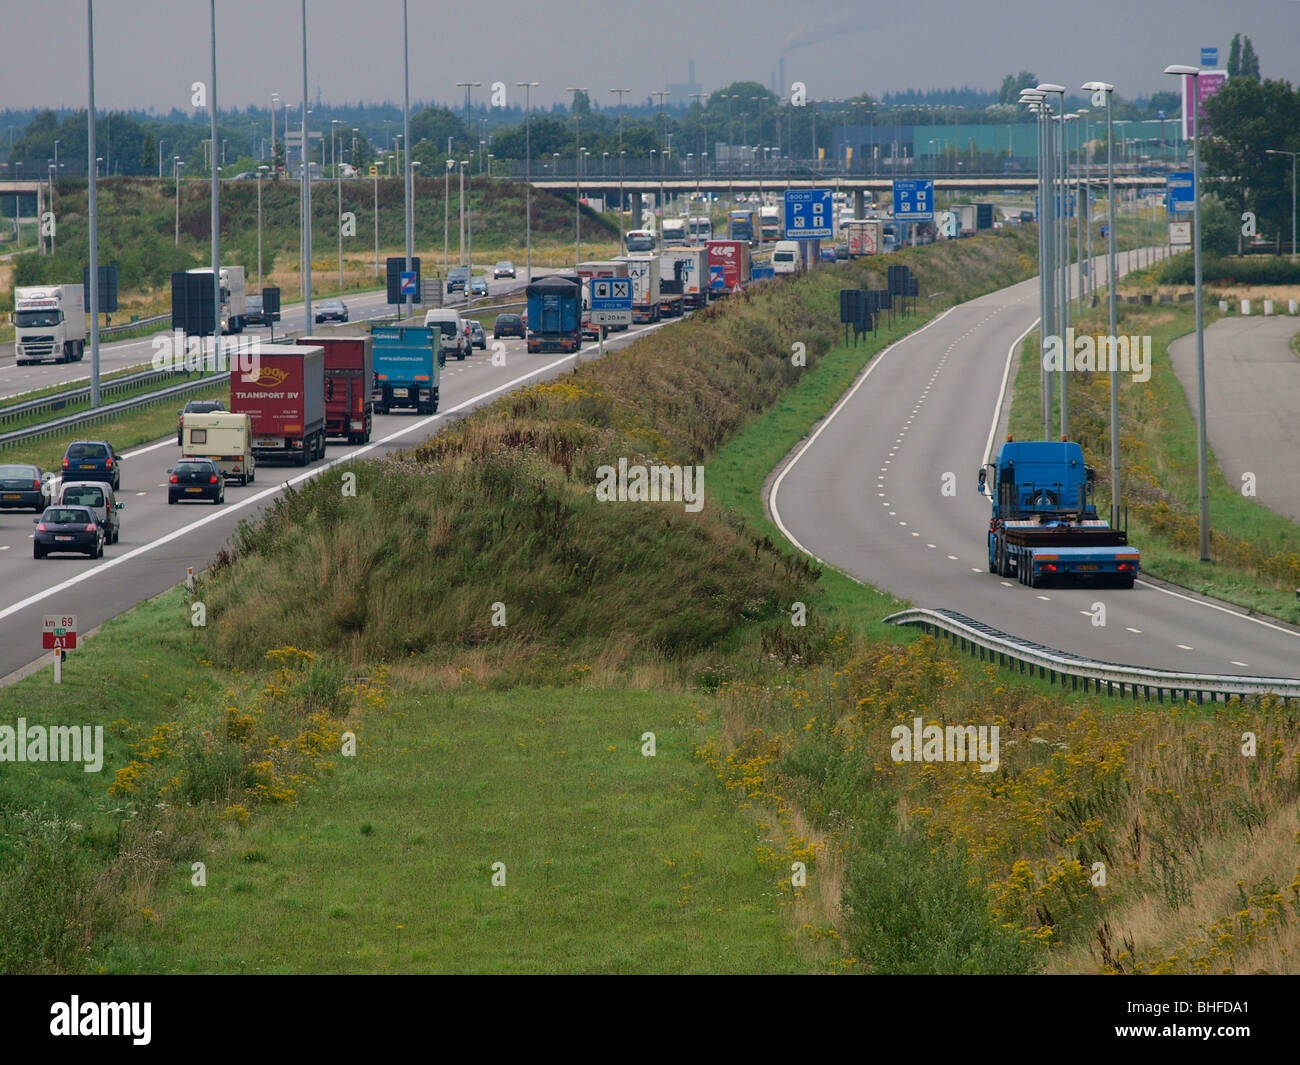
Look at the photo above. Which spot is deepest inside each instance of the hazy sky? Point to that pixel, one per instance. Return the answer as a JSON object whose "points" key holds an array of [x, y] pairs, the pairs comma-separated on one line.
{"points": [[148, 52]]}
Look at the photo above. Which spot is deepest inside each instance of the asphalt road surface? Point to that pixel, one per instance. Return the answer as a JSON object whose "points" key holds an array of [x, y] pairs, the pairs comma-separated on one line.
{"points": [[1252, 403], [865, 493]]}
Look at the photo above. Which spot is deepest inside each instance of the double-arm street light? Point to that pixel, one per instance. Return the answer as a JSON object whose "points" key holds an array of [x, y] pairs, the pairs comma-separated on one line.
{"points": [[528, 87], [577, 177], [1202, 455]]}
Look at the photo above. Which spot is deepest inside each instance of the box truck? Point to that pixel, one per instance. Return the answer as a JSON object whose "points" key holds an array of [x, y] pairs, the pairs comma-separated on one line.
{"points": [[864, 237], [729, 266], [643, 270], [554, 313], [49, 323], [349, 377], [285, 400], [406, 366]]}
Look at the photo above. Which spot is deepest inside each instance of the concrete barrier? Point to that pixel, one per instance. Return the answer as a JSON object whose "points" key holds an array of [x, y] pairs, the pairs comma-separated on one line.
{"points": [[1268, 308], [1291, 307], [1223, 306], [1245, 306]]}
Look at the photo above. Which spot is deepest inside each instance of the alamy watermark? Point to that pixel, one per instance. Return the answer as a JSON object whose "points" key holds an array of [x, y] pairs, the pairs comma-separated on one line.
{"points": [[920, 742], [180, 353], [651, 484], [1121, 354], [55, 743]]}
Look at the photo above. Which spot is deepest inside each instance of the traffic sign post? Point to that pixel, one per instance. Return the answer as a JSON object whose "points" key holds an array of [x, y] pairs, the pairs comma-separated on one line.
{"points": [[809, 214], [1179, 192], [59, 634], [611, 304], [914, 200]]}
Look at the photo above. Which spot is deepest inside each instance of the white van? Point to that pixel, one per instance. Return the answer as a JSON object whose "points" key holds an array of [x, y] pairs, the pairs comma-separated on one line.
{"points": [[787, 258], [226, 439], [452, 326]]}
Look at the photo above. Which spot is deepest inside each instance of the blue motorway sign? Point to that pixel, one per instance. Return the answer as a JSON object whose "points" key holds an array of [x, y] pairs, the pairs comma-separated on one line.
{"points": [[1209, 57], [913, 200], [611, 294], [1179, 193], [809, 214]]}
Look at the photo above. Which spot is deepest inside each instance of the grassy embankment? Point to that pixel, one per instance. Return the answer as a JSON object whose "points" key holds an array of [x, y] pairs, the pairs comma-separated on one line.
{"points": [[475, 740]]}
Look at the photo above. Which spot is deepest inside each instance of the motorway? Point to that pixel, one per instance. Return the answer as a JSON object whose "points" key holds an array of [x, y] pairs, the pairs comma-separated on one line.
{"points": [[120, 354], [865, 493], [159, 541]]}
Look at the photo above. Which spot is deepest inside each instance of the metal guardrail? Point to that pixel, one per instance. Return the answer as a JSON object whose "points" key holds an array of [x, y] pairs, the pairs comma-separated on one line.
{"points": [[109, 411], [59, 400], [157, 319], [1012, 651]]}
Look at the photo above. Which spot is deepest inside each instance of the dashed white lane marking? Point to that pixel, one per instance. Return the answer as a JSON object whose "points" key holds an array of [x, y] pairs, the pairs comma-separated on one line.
{"points": [[1131, 629], [1184, 647], [1045, 598], [953, 558], [1236, 663], [929, 545]]}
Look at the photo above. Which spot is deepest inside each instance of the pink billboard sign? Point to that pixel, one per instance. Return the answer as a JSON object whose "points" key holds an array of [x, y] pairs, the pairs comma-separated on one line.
{"points": [[1209, 82]]}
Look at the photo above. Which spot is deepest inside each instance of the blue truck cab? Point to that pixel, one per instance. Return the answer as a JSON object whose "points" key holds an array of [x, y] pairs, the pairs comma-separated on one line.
{"points": [[1044, 526], [407, 364]]}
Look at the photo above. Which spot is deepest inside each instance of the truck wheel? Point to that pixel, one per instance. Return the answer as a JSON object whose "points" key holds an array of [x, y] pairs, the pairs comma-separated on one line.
{"points": [[1004, 563]]}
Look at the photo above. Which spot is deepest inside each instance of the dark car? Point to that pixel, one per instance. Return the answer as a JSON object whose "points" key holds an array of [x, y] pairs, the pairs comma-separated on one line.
{"points": [[195, 406], [828, 255], [457, 277], [71, 529], [255, 315], [841, 251], [23, 487], [331, 311], [505, 268], [508, 325], [92, 460], [196, 479], [477, 335]]}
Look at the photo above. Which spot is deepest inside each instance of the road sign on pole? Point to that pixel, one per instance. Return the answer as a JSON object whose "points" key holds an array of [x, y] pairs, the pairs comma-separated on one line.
{"points": [[1209, 57], [1179, 192], [59, 632], [611, 300], [914, 200], [809, 214]]}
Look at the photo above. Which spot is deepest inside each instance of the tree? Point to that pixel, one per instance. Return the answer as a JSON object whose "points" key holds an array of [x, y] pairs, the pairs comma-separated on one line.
{"points": [[436, 124], [148, 151], [1219, 229], [1013, 83], [1234, 56], [1242, 120], [1249, 60]]}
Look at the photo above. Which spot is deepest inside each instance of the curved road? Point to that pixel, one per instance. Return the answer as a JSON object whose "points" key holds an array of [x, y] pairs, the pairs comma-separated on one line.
{"points": [[865, 493]]}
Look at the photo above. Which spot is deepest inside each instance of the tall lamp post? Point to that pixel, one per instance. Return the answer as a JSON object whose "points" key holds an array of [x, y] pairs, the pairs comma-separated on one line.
{"points": [[1278, 151], [261, 173], [1061, 242], [1202, 456], [660, 95], [577, 174], [446, 215], [176, 173], [621, 156]]}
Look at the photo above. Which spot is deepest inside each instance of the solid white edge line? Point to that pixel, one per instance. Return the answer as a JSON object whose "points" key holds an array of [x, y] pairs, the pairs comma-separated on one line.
{"points": [[839, 405], [176, 534], [1002, 395]]}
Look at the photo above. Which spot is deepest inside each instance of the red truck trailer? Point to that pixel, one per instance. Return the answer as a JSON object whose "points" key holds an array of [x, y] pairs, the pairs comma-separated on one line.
{"points": [[349, 376], [285, 400], [729, 266]]}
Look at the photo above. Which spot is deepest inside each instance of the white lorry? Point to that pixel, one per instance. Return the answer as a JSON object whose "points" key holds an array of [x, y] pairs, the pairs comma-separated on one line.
{"points": [[233, 295], [49, 323], [643, 269], [674, 232]]}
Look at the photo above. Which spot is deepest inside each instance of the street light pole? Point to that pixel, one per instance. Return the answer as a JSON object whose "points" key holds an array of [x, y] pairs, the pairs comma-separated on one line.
{"points": [[216, 207], [260, 174], [1061, 241], [620, 93], [577, 174], [306, 183], [1276, 151], [528, 176], [1034, 100], [93, 271], [176, 173], [1202, 456], [663, 213]]}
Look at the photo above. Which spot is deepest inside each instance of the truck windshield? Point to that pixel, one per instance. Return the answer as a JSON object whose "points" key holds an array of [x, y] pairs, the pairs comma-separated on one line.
{"points": [[36, 319]]}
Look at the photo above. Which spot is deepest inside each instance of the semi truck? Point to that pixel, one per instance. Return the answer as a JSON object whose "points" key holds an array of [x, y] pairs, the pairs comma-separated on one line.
{"points": [[285, 399], [690, 267], [643, 270], [233, 297], [673, 267], [406, 364], [744, 225], [674, 232], [349, 379], [965, 213], [770, 219], [49, 323], [864, 237], [729, 266], [1044, 525], [226, 439], [985, 216], [554, 313]]}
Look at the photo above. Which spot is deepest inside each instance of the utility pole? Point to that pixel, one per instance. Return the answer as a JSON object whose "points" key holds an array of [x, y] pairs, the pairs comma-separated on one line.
{"points": [[528, 87]]}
